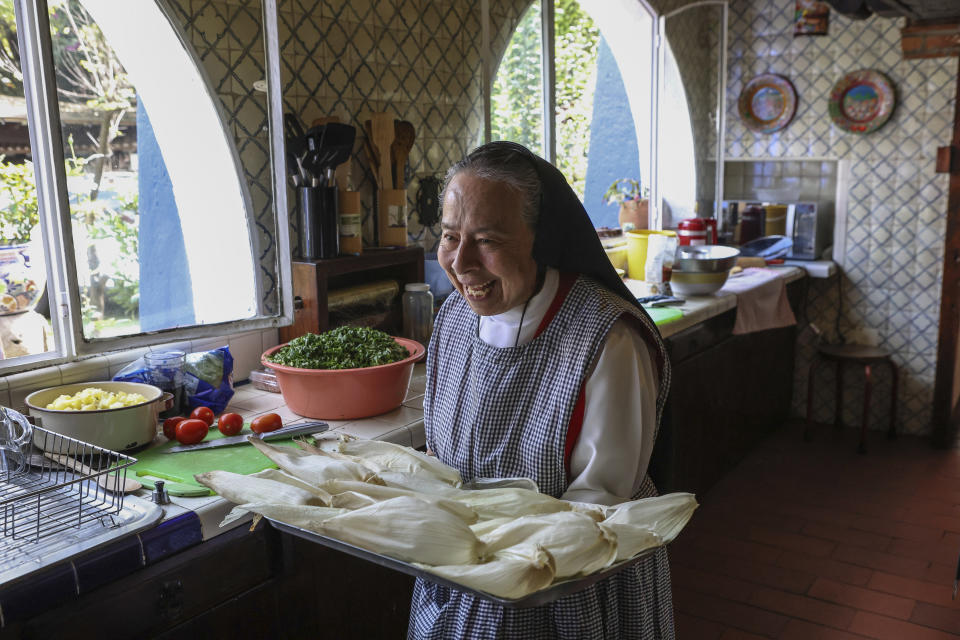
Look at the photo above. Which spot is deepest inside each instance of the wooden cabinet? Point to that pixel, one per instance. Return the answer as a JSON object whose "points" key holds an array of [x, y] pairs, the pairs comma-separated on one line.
{"points": [[313, 280], [727, 393]]}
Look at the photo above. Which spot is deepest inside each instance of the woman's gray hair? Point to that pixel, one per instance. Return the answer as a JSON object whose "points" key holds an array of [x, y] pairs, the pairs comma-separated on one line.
{"points": [[507, 166]]}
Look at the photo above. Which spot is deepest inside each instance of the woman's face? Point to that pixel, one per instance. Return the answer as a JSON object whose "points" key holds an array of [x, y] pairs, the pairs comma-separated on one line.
{"points": [[486, 247]]}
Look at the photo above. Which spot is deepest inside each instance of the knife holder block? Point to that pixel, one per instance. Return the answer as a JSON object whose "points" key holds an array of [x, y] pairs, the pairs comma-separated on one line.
{"points": [[392, 217]]}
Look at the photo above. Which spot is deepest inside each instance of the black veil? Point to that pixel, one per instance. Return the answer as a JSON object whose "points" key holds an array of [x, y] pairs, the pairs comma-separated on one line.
{"points": [[565, 238]]}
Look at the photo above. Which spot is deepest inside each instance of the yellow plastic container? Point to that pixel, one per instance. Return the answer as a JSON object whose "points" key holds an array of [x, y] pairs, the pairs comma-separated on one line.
{"points": [[637, 250]]}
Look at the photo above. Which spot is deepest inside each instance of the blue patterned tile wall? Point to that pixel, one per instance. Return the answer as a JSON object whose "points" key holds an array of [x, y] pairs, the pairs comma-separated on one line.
{"points": [[890, 287]]}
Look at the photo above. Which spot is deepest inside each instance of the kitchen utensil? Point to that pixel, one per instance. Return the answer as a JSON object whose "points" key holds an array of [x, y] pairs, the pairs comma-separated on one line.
{"points": [[711, 258], [284, 432], [381, 126], [697, 283], [117, 483], [177, 471], [338, 141], [115, 429], [404, 135], [15, 435], [373, 155], [341, 394]]}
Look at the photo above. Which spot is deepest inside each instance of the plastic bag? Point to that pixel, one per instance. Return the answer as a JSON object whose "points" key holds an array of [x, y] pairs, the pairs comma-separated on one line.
{"points": [[207, 378]]}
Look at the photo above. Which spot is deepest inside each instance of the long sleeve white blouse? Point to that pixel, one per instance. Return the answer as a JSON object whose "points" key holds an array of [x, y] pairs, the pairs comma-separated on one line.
{"points": [[610, 457]]}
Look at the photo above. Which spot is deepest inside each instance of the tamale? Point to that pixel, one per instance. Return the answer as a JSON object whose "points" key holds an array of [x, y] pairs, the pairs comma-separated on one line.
{"points": [[315, 468], [510, 573], [239, 489], [664, 515], [396, 457], [407, 529], [353, 495], [574, 540]]}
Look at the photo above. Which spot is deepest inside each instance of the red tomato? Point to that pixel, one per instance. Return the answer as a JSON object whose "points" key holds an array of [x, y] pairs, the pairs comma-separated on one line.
{"points": [[266, 423], [203, 413], [170, 426], [230, 424], [192, 431]]}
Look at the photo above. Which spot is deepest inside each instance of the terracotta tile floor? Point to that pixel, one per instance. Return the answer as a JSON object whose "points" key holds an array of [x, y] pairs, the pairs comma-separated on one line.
{"points": [[810, 541]]}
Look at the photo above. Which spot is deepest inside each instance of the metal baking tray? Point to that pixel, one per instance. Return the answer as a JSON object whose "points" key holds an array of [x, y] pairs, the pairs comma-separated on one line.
{"points": [[535, 599]]}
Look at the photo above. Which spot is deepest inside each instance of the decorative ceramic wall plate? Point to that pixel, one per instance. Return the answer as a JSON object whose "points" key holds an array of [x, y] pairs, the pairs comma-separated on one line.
{"points": [[767, 103], [862, 101]]}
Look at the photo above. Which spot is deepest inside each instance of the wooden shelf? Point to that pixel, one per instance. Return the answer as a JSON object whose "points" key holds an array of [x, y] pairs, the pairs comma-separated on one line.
{"points": [[313, 279]]}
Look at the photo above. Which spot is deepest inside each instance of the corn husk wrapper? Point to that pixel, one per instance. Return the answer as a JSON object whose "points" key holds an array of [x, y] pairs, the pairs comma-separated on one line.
{"points": [[354, 495], [395, 457], [483, 527], [240, 489], [510, 573], [315, 468], [306, 517], [578, 545], [408, 529], [664, 515], [509, 502], [631, 538], [420, 484], [280, 475], [595, 511]]}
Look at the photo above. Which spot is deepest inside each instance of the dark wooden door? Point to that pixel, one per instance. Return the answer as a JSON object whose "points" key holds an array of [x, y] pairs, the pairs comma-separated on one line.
{"points": [[946, 394]]}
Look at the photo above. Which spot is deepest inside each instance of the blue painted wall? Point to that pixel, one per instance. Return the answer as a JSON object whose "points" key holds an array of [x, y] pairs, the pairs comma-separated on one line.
{"points": [[166, 294], [613, 150]]}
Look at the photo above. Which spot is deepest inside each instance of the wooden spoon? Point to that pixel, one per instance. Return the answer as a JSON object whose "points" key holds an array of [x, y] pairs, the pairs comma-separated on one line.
{"points": [[404, 135], [381, 125], [106, 480]]}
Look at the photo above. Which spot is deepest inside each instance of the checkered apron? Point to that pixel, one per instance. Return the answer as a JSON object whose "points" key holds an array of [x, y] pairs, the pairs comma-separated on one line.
{"points": [[504, 412]]}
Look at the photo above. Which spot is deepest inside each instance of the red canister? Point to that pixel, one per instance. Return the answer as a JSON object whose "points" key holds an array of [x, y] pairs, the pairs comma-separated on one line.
{"points": [[692, 231]]}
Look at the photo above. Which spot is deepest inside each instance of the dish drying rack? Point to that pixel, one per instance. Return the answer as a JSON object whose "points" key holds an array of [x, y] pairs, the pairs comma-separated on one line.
{"points": [[47, 498]]}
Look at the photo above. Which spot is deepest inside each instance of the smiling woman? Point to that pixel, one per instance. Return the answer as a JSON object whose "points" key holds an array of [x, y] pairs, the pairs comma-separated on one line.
{"points": [[155, 187]]}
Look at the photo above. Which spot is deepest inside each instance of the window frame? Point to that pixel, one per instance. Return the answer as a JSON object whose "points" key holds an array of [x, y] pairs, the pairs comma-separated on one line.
{"points": [[63, 291], [548, 75]]}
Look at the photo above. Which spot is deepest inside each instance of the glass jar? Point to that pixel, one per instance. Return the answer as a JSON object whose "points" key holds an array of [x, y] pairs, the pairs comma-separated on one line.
{"points": [[165, 371], [418, 312]]}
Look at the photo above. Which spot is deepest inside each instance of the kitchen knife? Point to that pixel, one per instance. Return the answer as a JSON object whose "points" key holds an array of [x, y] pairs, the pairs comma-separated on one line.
{"points": [[283, 432]]}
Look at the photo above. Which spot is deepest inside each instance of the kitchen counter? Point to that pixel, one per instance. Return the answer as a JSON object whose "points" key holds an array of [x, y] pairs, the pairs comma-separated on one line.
{"points": [[188, 576]]}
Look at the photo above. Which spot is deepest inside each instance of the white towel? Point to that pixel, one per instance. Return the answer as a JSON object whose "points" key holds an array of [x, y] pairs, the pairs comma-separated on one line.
{"points": [[761, 301]]}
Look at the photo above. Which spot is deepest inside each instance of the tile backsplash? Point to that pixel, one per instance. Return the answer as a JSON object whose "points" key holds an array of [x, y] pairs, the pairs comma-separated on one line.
{"points": [[892, 253]]}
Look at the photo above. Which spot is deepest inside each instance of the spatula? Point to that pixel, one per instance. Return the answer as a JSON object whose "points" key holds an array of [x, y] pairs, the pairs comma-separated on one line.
{"points": [[381, 125], [373, 158], [404, 135]]}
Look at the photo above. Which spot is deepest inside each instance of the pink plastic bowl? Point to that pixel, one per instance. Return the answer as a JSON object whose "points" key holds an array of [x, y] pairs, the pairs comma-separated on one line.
{"points": [[344, 394]]}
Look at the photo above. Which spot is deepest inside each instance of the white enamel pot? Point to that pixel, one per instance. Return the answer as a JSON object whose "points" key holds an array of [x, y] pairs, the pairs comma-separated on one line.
{"points": [[115, 429]]}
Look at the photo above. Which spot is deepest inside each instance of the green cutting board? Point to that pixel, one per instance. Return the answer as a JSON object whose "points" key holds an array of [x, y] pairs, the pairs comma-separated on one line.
{"points": [[663, 315], [177, 469]]}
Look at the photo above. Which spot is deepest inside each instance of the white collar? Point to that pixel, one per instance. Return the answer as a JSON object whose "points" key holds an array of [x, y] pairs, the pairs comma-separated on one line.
{"points": [[501, 330]]}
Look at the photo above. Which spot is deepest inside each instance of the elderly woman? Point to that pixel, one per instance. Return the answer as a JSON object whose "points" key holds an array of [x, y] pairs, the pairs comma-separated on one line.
{"points": [[542, 365]]}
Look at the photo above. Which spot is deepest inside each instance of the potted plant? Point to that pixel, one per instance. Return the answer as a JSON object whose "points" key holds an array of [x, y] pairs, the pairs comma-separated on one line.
{"points": [[634, 203], [22, 272]]}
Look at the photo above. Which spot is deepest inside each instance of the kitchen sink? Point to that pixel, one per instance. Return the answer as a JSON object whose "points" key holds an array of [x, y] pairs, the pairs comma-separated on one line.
{"points": [[50, 514]]}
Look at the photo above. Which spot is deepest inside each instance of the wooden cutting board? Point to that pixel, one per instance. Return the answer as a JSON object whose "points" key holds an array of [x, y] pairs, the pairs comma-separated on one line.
{"points": [[177, 469]]}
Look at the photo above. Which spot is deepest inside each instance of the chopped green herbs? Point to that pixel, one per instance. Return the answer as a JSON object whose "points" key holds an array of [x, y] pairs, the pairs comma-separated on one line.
{"points": [[341, 348]]}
